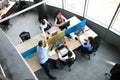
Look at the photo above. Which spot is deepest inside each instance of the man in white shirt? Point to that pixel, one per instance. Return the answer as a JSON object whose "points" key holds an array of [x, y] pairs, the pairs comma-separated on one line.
{"points": [[43, 58]]}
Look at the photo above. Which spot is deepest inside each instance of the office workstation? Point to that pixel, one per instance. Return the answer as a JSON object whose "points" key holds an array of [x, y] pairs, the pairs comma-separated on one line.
{"points": [[83, 68], [28, 48]]}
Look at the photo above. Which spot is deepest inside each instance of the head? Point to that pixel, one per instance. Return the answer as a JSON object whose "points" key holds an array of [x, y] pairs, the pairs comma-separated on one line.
{"points": [[43, 22], [91, 39], [40, 43], [59, 14], [69, 53]]}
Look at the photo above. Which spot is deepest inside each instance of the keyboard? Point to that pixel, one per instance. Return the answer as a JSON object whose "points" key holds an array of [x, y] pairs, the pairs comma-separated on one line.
{"points": [[60, 47]]}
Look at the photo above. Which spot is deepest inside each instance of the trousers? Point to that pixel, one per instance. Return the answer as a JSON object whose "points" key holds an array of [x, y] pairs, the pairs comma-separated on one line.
{"points": [[46, 66]]}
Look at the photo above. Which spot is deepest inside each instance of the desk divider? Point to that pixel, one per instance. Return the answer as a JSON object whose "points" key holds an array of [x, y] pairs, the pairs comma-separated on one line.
{"points": [[75, 27], [29, 51], [55, 37]]}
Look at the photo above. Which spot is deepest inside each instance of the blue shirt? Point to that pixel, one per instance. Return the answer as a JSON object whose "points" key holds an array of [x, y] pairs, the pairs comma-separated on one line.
{"points": [[88, 46], [42, 54]]}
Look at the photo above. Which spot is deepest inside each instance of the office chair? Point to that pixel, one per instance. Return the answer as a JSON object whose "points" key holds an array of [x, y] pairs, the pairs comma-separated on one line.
{"points": [[21, 5], [24, 36], [97, 42], [67, 63], [6, 24], [114, 73]]}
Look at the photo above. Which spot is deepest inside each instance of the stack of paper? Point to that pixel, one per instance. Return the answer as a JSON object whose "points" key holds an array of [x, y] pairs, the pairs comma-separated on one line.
{"points": [[52, 52]]}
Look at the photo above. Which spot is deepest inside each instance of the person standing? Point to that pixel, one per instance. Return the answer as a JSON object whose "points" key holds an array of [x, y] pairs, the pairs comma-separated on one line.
{"points": [[43, 58]]}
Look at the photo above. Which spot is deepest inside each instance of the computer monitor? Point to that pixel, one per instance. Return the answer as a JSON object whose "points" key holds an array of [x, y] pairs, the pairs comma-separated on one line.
{"points": [[58, 42], [65, 25]]}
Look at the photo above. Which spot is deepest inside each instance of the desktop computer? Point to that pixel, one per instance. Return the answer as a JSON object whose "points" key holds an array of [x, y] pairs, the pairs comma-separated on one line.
{"points": [[65, 25]]}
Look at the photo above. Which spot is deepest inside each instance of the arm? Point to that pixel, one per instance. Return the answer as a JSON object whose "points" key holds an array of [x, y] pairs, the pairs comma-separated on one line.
{"points": [[60, 56], [64, 18], [55, 21]]}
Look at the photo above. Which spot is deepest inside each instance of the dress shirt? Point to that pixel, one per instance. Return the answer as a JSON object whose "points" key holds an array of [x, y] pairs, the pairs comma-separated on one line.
{"points": [[42, 54]]}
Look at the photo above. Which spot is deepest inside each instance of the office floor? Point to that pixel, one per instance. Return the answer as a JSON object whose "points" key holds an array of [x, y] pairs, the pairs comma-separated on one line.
{"points": [[82, 69]]}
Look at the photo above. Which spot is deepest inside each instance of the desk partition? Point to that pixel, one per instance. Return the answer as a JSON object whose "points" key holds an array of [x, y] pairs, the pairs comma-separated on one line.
{"points": [[75, 27]]}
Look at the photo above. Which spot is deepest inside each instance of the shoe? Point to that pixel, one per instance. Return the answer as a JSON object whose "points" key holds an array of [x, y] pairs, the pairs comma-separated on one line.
{"points": [[53, 78], [56, 68]]}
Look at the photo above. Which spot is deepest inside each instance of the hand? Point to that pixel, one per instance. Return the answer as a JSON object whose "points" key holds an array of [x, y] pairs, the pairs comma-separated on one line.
{"points": [[57, 51]]}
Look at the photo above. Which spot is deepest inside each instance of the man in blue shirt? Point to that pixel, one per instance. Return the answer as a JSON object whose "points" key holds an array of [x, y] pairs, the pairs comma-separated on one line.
{"points": [[43, 58]]}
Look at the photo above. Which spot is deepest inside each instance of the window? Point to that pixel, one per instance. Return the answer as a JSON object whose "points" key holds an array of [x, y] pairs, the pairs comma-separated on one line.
{"points": [[102, 10], [56, 3], [116, 25], [75, 6]]}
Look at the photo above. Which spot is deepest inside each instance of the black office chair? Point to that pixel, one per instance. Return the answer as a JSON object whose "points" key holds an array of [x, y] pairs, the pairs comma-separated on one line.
{"points": [[21, 5], [24, 36], [97, 42], [114, 73], [67, 63]]}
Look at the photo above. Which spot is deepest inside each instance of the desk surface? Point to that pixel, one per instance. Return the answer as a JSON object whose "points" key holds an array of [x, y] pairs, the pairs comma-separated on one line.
{"points": [[6, 9], [34, 62]]}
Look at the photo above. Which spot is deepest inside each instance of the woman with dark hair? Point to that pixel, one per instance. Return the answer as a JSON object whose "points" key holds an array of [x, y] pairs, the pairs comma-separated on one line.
{"points": [[88, 45]]}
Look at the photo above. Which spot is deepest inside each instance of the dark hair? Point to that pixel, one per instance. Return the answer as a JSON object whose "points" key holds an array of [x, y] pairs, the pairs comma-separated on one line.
{"points": [[91, 39], [40, 43], [69, 53], [57, 13], [43, 21]]}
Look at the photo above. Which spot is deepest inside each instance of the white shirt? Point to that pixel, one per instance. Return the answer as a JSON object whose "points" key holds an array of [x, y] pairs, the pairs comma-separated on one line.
{"points": [[42, 54], [66, 57], [42, 27]]}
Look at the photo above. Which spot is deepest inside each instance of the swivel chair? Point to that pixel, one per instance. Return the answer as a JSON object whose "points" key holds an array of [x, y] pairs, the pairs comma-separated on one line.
{"points": [[97, 42], [114, 73], [21, 5], [24, 36], [67, 63]]}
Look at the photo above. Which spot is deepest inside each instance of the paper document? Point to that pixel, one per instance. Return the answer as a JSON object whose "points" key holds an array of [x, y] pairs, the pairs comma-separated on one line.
{"points": [[52, 52]]}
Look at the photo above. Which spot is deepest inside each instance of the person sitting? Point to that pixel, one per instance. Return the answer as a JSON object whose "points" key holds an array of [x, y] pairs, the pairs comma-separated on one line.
{"points": [[88, 45], [69, 54], [44, 26], [59, 18], [43, 58]]}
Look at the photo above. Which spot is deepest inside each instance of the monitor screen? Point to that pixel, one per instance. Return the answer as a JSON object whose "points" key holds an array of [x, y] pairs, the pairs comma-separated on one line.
{"points": [[65, 25], [58, 42]]}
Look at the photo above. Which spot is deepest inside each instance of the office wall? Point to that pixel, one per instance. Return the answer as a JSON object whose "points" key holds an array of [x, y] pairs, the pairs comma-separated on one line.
{"points": [[106, 35], [15, 64]]}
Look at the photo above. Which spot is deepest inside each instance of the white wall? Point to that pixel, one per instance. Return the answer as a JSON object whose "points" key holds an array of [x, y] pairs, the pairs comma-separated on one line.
{"points": [[14, 62]]}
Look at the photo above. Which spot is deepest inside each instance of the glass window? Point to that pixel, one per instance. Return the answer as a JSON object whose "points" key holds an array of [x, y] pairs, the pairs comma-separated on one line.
{"points": [[116, 24], [75, 6], [102, 10], [56, 3]]}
